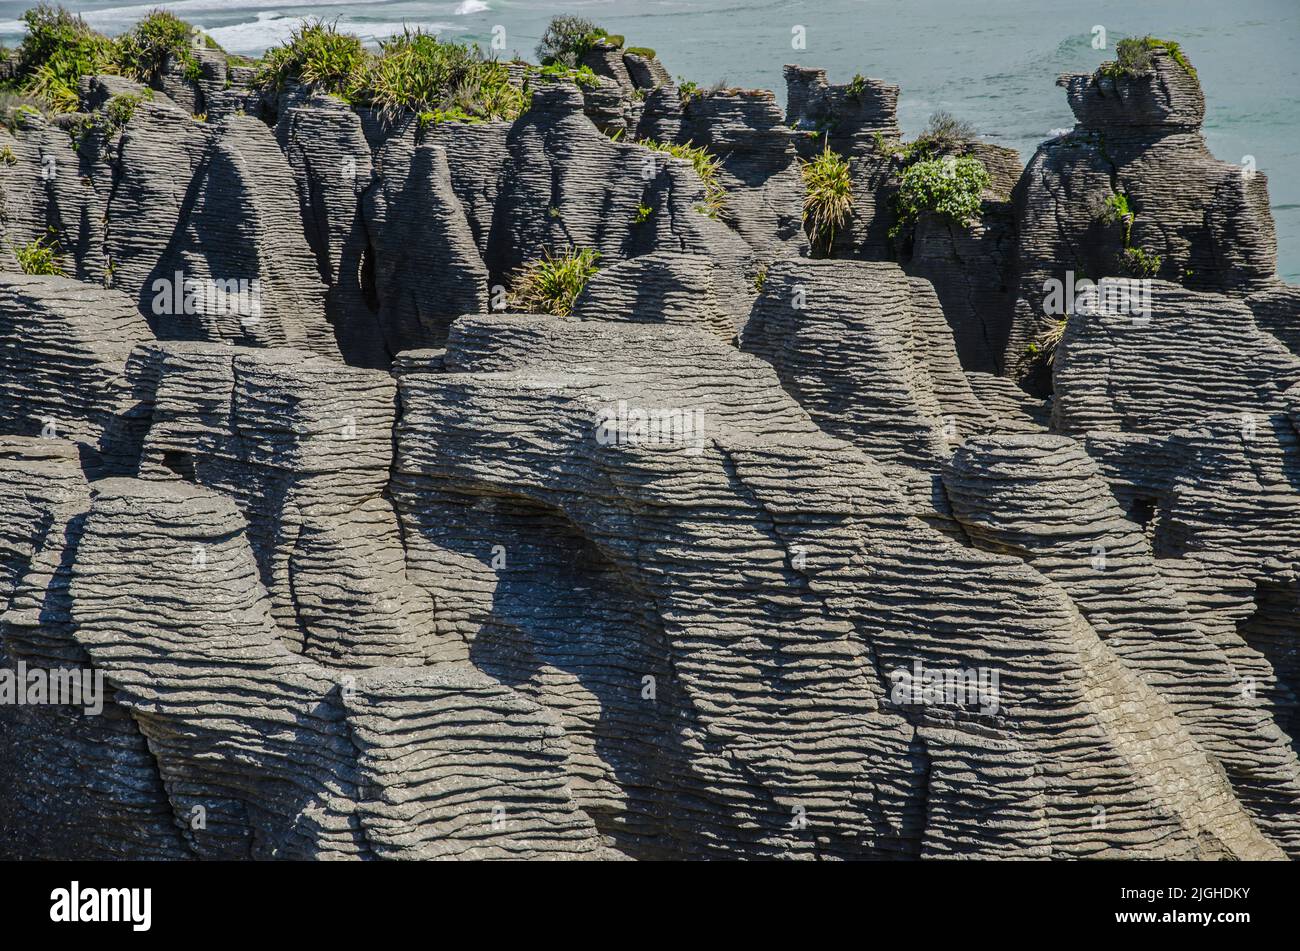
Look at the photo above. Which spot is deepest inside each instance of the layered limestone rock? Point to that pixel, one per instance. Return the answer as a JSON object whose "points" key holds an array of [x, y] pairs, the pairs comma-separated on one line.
{"points": [[759, 167], [856, 343], [544, 510], [78, 777], [969, 265], [419, 287], [63, 352], [565, 184], [332, 166], [160, 152], [257, 740], [238, 267], [1193, 219], [1016, 494], [852, 120], [1164, 360], [670, 288], [755, 554], [303, 446], [470, 768]]}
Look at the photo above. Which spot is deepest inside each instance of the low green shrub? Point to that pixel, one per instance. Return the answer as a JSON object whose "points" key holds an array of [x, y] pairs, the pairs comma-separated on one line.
{"points": [[142, 51], [1116, 210], [943, 134], [1133, 57], [949, 186], [567, 40], [581, 75], [58, 50], [1140, 263], [316, 54]]}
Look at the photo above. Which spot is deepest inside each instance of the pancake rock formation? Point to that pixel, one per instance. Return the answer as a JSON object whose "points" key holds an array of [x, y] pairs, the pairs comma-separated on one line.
{"points": [[328, 534]]}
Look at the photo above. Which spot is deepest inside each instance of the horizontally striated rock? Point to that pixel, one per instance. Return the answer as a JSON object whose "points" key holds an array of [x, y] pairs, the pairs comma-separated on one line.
{"points": [[1199, 221], [470, 769], [1043, 499], [1275, 309], [654, 580], [79, 780], [969, 265], [476, 154], [759, 168], [850, 114], [847, 343], [565, 184], [418, 287], [252, 738], [63, 352], [240, 252], [1224, 531], [798, 523], [669, 288], [331, 162], [303, 446], [160, 152], [49, 192], [275, 775], [1166, 363], [1014, 409]]}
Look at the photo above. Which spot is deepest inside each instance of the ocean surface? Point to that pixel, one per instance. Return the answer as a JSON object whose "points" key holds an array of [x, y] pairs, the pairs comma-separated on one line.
{"points": [[993, 62]]}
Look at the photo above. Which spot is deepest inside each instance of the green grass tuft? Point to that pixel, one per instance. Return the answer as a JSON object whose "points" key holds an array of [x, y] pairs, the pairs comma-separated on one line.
{"points": [[1133, 57], [828, 196], [143, 51], [1142, 264], [316, 54], [552, 284], [706, 166], [1043, 347], [441, 81], [58, 50], [39, 257]]}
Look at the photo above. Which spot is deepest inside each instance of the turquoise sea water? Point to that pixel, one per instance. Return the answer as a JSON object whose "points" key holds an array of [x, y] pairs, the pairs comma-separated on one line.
{"points": [[993, 62]]}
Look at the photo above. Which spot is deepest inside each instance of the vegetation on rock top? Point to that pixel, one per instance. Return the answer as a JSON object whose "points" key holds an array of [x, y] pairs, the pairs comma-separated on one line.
{"points": [[568, 39], [706, 166], [413, 70], [949, 186], [60, 49], [1133, 57]]}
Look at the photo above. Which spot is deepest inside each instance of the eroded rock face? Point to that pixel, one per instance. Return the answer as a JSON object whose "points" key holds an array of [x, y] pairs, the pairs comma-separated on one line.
{"points": [[240, 251], [1199, 221], [63, 351], [566, 184], [753, 554]]}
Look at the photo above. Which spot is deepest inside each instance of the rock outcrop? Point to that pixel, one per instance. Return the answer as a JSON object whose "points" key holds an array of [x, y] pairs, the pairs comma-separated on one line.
{"points": [[750, 549]]}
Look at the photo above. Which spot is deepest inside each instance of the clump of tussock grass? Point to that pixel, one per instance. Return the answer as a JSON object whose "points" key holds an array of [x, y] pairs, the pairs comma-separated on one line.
{"points": [[551, 284]]}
